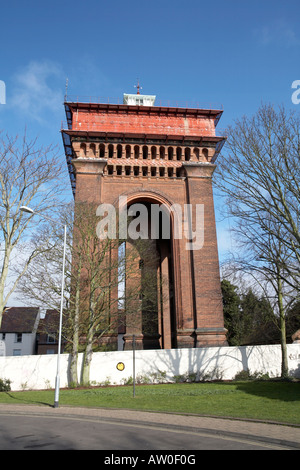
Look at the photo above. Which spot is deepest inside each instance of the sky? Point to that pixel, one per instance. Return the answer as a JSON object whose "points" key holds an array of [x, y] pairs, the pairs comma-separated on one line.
{"points": [[234, 54]]}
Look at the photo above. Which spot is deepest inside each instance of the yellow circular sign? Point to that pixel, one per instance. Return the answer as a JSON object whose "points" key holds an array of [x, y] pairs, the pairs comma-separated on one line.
{"points": [[120, 366]]}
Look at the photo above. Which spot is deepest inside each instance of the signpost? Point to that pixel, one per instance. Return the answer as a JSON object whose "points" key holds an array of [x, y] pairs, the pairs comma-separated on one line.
{"points": [[133, 358], [121, 366]]}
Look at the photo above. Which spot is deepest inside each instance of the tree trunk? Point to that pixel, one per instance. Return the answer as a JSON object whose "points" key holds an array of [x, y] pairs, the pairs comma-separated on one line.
{"points": [[73, 366], [74, 352], [75, 340], [86, 361], [284, 359], [3, 278]]}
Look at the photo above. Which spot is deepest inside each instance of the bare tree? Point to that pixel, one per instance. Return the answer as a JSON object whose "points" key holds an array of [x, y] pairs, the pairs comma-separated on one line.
{"points": [[101, 271], [29, 176], [95, 306], [260, 176], [264, 262]]}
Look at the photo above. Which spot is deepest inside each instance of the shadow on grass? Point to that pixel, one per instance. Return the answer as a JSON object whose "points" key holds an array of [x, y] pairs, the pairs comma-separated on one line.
{"points": [[276, 390], [21, 399]]}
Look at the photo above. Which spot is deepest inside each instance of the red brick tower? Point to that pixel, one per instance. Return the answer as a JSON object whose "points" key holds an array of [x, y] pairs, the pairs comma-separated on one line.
{"points": [[157, 155]]}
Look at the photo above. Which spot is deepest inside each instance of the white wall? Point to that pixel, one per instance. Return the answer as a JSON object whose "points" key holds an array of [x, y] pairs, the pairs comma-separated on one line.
{"points": [[38, 372], [26, 346]]}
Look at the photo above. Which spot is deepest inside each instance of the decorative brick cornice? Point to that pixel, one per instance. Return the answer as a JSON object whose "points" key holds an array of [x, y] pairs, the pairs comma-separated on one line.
{"points": [[198, 169], [89, 165]]}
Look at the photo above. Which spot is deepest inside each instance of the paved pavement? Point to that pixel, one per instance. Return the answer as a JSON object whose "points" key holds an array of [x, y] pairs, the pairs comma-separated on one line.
{"points": [[276, 434]]}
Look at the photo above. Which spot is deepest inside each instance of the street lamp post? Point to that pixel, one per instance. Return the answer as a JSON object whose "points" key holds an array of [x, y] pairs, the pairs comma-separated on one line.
{"points": [[57, 378]]}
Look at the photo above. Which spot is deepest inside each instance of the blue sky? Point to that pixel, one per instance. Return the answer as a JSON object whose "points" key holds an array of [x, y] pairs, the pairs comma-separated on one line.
{"points": [[231, 53]]}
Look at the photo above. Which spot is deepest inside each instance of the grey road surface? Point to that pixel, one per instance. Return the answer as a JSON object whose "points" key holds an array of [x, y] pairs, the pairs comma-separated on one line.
{"points": [[27, 431]]}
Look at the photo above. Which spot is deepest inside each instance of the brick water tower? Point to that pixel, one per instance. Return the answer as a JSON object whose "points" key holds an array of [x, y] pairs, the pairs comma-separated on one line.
{"points": [[162, 155]]}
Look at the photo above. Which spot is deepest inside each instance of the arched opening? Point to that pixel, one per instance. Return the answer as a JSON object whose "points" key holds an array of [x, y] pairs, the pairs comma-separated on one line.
{"points": [[82, 152], [92, 152], [196, 153], [110, 151], [102, 151], [119, 151], [153, 316], [128, 151], [136, 151], [187, 154], [145, 152], [205, 153], [153, 152]]}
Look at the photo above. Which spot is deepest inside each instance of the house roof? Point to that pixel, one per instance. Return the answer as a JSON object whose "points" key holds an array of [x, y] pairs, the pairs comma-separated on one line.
{"points": [[19, 319], [50, 323]]}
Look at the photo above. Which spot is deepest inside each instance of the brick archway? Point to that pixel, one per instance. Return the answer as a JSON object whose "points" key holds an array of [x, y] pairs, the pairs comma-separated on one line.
{"points": [[169, 311]]}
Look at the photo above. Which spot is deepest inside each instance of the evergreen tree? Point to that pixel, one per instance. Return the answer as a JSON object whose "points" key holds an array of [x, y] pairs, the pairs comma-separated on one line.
{"points": [[248, 318], [259, 321], [292, 319], [231, 309]]}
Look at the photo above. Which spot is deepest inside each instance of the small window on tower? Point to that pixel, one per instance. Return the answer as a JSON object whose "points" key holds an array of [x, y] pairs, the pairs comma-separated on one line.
{"points": [[110, 151], [102, 151], [141, 264], [119, 151], [145, 152]]}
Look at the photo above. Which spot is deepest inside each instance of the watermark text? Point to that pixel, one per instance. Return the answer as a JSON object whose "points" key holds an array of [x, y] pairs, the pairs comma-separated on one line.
{"points": [[152, 221], [296, 93]]}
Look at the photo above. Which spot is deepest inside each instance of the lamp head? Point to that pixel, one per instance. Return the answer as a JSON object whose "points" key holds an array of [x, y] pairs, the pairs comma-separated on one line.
{"points": [[26, 209]]}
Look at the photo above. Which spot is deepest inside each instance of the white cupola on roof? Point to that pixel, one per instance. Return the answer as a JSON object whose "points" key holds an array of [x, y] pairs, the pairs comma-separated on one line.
{"points": [[138, 99]]}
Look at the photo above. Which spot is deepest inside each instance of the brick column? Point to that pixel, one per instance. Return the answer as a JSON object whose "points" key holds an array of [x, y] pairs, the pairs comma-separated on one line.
{"points": [[133, 304], [166, 314], [209, 323], [89, 173], [183, 290]]}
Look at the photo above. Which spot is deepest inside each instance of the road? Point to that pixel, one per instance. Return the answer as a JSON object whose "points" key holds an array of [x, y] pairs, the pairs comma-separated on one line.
{"points": [[28, 430]]}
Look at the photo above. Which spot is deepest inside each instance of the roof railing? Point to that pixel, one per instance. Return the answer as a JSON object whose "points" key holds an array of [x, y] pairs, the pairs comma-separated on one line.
{"points": [[158, 103]]}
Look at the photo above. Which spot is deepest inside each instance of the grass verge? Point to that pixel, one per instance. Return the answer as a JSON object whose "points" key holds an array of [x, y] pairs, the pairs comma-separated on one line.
{"points": [[263, 400]]}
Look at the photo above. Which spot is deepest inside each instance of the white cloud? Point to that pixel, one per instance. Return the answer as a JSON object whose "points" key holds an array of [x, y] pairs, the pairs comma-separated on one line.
{"points": [[278, 32], [38, 89]]}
